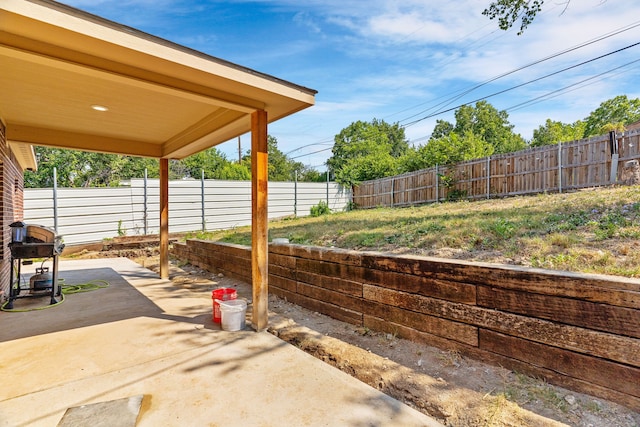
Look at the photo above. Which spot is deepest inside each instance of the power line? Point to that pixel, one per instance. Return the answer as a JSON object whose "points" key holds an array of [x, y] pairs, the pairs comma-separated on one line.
{"points": [[560, 91], [459, 95], [520, 85], [323, 142], [448, 101], [313, 152], [406, 37]]}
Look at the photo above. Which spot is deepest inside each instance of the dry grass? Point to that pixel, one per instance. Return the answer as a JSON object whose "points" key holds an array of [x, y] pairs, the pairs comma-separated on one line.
{"points": [[593, 231]]}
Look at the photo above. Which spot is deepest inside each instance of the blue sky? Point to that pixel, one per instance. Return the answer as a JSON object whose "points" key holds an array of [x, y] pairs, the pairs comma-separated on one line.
{"points": [[403, 60]]}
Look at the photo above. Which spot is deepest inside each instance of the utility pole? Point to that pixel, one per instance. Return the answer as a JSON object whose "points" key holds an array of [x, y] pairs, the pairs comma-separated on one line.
{"points": [[239, 151]]}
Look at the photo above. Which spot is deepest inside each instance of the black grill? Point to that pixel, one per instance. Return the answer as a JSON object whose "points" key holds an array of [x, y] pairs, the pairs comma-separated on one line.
{"points": [[39, 242]]}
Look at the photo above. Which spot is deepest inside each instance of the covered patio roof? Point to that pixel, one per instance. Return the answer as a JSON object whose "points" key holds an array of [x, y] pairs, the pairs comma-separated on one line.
{"points": [[73, 80], [163, 100]]}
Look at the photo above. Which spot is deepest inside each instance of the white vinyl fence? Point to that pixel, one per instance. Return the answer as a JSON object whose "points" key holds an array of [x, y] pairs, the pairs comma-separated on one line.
{"points": [[84, 215]]}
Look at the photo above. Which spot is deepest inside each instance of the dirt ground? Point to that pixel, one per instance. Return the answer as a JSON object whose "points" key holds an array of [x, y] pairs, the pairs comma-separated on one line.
{"points": [[453, 389]]}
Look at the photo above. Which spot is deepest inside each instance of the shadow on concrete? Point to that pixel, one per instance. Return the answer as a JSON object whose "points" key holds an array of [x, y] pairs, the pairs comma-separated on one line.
{"points": [[119, 301], [170, 351]]}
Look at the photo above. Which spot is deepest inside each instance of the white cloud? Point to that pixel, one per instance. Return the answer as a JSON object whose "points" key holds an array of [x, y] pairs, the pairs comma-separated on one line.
{"points": [[396, 59], [305, 20]]}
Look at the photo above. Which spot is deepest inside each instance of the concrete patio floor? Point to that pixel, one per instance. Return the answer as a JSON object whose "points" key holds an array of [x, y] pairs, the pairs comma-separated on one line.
{"points": [[145, 336]]}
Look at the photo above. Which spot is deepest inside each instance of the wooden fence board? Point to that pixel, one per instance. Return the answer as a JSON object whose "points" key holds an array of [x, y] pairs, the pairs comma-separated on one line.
{"points": [[569, 166]]}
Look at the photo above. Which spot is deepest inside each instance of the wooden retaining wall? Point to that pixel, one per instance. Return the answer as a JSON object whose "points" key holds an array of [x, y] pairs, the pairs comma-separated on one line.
{"points": [[576, 330]]}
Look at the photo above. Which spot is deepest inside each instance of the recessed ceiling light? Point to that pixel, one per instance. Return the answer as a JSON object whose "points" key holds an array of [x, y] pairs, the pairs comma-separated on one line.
{"points": [[100, 107]]}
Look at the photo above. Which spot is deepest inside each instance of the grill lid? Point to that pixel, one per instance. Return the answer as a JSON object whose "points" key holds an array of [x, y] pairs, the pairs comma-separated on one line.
{"points": [[40, 234]]}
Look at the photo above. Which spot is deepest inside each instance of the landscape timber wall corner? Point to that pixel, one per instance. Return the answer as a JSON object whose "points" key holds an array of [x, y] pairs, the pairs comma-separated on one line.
{"points": [[578, 331]]}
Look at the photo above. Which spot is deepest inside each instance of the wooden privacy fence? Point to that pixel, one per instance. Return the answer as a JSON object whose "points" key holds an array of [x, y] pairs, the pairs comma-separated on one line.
{"points": [[553, 168], [580, 331]]}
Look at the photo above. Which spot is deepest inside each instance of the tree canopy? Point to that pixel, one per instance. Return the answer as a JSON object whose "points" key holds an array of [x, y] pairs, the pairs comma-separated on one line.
{"points": [[489, 124], [86, 169], [553, 132], [448, 149], [367, 150], [479, 131], [612, 113], [361, 151], [509, 11]]}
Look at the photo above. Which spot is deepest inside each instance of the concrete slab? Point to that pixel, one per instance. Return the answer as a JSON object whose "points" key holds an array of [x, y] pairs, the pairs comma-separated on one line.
{"points": [[120, 412], [145, 336]]}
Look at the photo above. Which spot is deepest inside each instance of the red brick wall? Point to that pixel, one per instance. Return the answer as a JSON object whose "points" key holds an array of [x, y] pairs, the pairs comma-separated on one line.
{"points": [[11, 206], [576, 330]]}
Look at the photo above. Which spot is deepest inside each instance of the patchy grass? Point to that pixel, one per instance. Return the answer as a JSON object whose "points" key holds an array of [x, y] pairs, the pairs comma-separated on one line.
{"points": [[525, 390], [595, 230]]}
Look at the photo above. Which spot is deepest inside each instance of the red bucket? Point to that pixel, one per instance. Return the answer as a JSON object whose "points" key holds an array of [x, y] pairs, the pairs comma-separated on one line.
{"points": [[222, 294]]}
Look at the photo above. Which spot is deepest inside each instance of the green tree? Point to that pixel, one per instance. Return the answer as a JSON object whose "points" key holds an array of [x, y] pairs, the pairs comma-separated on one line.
{"points": [[395, 133], [613, 112], [281, 168], [448, 149], [234, 172], [486, 122], [509, 11], [312, 175], [442, 128], [135, 167], [177, 169], [65, 161], [85, 169], [553, 132], [370, 166], [99, 169], [211, 161], [377, 143]]}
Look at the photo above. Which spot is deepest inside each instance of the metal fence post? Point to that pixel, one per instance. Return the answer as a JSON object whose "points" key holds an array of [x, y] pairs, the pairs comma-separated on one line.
{"points": [[488, 177], [55, 199], [145, 212], [613, 145], [393, 191], [437, 185], [295, 193], [204, 224], [327, 188], [560, 167]]}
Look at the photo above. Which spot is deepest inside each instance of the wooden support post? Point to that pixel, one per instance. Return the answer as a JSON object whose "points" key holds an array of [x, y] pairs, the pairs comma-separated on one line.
{"points": [[164, 218], [259, 220]]}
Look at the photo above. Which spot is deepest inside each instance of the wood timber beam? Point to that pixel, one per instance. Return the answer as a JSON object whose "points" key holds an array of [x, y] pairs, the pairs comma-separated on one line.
{"points": [[80, 141], [164, 218], [259, 224]]}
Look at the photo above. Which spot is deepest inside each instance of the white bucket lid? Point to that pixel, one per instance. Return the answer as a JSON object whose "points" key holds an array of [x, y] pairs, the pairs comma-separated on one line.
{"points": [[232, 305]]}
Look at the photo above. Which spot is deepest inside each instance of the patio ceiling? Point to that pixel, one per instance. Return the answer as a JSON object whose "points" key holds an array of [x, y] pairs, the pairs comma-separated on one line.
{"points": [[163, 100]]}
